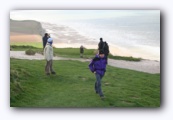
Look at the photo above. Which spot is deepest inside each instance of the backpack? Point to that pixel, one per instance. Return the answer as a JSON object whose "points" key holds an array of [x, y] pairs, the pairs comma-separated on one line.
{"points": [[105, 48]]}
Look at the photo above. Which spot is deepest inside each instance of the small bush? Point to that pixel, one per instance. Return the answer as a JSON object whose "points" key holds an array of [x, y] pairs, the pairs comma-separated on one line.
{"points": [[30, 52]]}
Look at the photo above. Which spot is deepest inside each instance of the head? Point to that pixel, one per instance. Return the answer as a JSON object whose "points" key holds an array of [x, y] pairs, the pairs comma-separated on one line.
{"points": [[46, 34], [50, 40], [101, 39], [101, 54]]}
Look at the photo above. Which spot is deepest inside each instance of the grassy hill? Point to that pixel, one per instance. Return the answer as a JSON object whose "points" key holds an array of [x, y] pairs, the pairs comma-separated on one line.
{"points": [[73, 86]]}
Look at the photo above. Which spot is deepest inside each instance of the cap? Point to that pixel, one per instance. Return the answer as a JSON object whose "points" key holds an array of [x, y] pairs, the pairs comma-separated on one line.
{"points": [[50, 40]]}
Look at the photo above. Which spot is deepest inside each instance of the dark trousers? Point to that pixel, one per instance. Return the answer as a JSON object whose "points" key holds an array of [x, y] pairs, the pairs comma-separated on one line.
{"points": [[98, 88], [48, 67]]}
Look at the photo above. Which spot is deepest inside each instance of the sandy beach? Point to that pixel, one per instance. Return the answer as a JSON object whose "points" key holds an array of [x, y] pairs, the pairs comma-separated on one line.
{"points": [[21, 37]]}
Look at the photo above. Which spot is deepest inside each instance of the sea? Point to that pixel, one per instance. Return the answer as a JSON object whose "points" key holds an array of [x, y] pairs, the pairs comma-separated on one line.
{"points": [[140, 34]]}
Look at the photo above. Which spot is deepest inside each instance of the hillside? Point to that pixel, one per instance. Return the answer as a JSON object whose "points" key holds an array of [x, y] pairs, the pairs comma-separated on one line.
{"points": [[26, 27], [73, 86]]}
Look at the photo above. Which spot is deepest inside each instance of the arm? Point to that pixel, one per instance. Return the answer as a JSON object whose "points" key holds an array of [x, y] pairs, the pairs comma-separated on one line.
{"points": [[91, 66]]}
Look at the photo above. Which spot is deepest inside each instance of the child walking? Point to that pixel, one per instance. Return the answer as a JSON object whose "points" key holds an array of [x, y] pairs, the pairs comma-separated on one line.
{"points": [[98, 67]]}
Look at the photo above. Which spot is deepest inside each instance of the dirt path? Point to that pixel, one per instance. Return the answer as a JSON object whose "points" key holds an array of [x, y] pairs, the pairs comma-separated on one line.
{"points": [[147, 66]]}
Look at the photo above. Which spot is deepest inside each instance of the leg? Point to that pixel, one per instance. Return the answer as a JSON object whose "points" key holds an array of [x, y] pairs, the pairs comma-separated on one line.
{"points": [[81, 55], [47, 70], [51, 69], [98, 84], [96, 87]]}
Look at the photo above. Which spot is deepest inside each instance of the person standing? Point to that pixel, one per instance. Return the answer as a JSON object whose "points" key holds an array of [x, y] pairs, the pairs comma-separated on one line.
{"points": [[98, 67], [81, 51], [48, 53], [46, 36], [100, 45], [106, 50]]}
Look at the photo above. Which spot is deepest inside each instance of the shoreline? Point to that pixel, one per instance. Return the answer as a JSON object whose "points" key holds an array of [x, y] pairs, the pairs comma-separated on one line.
{"points": [[66, 37]]}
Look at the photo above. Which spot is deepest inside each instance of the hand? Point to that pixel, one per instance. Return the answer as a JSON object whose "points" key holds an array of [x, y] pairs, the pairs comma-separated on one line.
{"points": [[94, 72]]}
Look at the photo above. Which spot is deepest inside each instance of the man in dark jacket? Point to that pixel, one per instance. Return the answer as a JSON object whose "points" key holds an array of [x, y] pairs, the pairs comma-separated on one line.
{"points": [[81, 51], [100, 45], [46, 36], [106, 49], [98, 66]]}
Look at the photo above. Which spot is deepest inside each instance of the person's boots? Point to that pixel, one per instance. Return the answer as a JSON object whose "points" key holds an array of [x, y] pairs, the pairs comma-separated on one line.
{"points": [[53, 73], [47, 74]]}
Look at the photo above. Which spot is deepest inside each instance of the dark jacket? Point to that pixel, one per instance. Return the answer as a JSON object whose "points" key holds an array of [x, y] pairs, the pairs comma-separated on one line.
{"points": [[106, 49], [98, 65], [100, 45], [81, 49], [44, 41]]}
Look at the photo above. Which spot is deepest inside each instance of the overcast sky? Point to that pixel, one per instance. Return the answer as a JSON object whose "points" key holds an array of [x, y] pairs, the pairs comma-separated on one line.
{"points": [[61, 15]]}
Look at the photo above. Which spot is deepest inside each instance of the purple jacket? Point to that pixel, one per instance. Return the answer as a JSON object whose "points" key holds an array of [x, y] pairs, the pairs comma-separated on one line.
{"points": [[98, 64]]}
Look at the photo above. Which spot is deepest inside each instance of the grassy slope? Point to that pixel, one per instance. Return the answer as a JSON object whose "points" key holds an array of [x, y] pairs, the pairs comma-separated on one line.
{"points": [[73, 86]]}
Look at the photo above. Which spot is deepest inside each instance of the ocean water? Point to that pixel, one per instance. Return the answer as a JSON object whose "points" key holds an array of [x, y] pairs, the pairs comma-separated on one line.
{"points": [[140, 34], [126, 31]]}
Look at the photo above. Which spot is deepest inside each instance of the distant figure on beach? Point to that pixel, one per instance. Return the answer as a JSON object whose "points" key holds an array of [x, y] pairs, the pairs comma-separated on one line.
{"points": [[81, 51], [48, 53], [100, 45], [46, 36], [98, 67]]}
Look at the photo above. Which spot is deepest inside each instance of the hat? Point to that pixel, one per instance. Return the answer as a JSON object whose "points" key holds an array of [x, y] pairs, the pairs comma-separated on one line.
{"points": [[50, 40], [101, 52]]}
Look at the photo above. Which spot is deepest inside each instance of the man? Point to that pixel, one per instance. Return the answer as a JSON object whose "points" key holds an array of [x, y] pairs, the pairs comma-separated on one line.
{"points": [[106, 50], [100, 45], [98, 67], [48, 53], [46, 36], [81, 51]]}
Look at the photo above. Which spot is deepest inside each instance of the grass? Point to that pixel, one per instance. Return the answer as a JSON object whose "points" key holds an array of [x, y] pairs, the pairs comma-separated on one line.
{"points": [[71, 52], [30, 44], [73, 86]]}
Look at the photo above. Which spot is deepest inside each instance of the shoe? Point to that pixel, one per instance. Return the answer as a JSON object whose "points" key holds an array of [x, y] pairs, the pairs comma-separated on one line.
{"points": [[47, 74], [53, 73], [102, 97]]}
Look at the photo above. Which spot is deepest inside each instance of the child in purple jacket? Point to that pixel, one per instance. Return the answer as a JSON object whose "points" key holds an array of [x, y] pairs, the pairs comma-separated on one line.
{"points": [[98, 66]]}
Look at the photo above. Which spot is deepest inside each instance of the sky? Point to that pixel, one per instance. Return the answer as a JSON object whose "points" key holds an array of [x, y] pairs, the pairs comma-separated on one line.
{"points": [[60, 15]]}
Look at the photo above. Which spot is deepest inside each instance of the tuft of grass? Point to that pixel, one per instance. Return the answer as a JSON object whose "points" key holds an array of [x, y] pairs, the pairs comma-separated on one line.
{"points": [[30, 52], [16, 78], [73, 86], [31, 44]]}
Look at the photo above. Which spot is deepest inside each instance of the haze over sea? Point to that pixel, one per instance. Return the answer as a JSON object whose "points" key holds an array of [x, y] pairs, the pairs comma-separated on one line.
{"points": [[135, 32]]}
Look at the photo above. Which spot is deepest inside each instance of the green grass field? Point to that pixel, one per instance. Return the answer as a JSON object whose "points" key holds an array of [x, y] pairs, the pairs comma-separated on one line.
{"points": [[73, 86]]}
